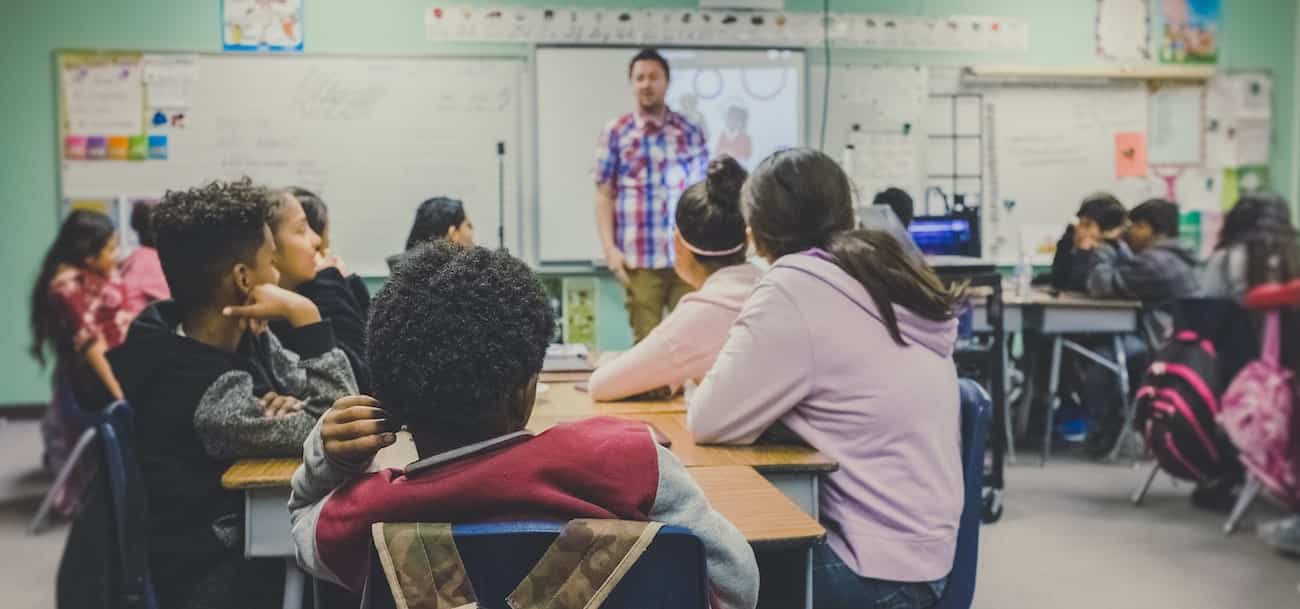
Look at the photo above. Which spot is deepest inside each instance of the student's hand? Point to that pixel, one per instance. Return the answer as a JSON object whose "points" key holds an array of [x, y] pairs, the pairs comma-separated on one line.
{"points": [[355, 428], [617, 264], [276, 406], [269, 302]]}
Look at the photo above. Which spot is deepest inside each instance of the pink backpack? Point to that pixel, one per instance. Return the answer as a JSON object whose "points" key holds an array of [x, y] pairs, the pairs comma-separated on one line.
{"points": [[1256, 415]]}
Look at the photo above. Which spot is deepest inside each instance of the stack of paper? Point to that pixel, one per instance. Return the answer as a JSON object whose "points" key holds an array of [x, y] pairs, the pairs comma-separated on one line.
{"points": [[567, 358]]}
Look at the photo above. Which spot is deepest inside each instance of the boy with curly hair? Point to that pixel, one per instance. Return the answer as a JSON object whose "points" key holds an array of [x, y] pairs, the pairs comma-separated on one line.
{"points": [[209, 385], [456, 342]]}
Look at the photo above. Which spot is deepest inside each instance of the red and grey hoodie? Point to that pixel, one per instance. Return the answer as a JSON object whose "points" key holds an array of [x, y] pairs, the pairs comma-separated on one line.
{"points": [[595, 468]]}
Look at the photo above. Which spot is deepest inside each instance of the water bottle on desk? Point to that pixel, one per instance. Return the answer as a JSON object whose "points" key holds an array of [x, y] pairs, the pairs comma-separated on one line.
{"points": [[1024, 275]]}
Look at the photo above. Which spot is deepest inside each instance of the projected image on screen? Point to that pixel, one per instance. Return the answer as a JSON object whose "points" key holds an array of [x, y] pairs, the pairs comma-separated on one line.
{"points": [[748, 105]]}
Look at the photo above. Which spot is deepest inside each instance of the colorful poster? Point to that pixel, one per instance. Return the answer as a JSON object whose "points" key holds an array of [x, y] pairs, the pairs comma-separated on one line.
{"points": [[1188, 30], [1130, 154], [580, 311], [262, 25]]}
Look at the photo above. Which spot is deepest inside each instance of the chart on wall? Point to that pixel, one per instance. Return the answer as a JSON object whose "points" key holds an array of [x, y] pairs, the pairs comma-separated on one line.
{"points": [[749, 103], [372, 136]]}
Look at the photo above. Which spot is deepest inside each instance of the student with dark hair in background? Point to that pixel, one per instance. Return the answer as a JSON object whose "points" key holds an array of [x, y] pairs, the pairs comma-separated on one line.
{"points": [[1150, 264], [1100, 219], [457, 340], [141, 271], [341, 298], [711, 246], [899, 201], [210, 385], [847, 342], [438, 218]]}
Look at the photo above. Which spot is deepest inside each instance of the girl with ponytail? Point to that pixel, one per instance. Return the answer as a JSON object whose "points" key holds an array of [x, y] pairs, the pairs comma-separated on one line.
{"points": [[847, 342], [711, 246]]}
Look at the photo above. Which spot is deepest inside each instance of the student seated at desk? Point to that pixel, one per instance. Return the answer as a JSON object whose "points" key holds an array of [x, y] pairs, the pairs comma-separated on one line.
{"points": [[1257, 244], [710, 245], [1100, 219], [209, 385], [1149, 264], [457, 339], [435, 219], [308, 269], [318, 218], [848, 343]]}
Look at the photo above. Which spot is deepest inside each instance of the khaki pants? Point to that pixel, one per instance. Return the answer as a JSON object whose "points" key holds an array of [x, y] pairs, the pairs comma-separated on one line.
{"points": [[648, 293]]}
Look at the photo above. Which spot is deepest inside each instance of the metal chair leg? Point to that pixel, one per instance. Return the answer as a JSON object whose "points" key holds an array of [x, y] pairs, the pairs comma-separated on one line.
{"points": [[1247, 497], [1140, 492], [1121, 358], [1055, 400], [70, 465]]}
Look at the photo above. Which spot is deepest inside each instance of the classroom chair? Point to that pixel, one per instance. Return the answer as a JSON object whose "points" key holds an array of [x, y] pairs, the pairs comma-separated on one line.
{"points": [[976, 413], [669, 575], [106, 560], [74, 460]]}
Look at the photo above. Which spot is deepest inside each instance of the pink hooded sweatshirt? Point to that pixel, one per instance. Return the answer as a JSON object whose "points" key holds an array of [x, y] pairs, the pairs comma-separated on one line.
{"points": [[810, 350], [685, 344]]}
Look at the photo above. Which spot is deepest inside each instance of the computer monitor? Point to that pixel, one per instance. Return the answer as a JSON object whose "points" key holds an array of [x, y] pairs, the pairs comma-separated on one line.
{"points": [[945, 235]]}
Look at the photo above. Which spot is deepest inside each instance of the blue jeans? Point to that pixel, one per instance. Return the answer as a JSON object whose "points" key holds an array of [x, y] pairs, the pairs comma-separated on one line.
{"points": [[836, 586]]}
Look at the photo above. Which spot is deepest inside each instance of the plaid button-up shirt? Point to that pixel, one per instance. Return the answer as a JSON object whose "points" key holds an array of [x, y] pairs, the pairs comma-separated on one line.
{"points": [[649, 162]]}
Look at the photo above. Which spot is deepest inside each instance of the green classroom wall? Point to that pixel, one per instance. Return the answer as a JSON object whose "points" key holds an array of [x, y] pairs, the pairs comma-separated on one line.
{"points": [[1256, 34]]}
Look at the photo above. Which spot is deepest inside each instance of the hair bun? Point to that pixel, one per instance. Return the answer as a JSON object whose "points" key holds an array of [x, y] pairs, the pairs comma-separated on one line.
{"points": [[725, 178]]}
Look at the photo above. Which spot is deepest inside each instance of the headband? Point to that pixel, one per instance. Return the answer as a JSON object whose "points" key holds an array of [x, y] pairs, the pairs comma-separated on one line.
{"points": [[702, 252]]}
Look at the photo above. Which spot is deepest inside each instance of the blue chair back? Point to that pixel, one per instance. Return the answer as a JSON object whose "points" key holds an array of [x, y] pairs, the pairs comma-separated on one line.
{"points": [[976, 412], [669, 575], [129, 509]]}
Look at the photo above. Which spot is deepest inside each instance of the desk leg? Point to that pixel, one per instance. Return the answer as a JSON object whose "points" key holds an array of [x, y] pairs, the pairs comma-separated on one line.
{"points": [[294, 581], [1054, 400], [808, 582], [1121, 358]]}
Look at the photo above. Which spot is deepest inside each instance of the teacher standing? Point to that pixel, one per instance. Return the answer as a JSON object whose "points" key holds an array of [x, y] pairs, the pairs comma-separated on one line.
{"points": [[645, 159]]}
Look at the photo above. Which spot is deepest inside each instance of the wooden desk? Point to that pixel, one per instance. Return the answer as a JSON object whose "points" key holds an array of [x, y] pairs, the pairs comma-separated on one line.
{"points": [[565, 377], [767, 519], [564, 400], [794, 470]]}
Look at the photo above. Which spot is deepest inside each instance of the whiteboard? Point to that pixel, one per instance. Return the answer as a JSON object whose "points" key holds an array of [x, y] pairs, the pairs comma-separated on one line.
{"points": [[1053, 146], [580, 90], [373, 136]]}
